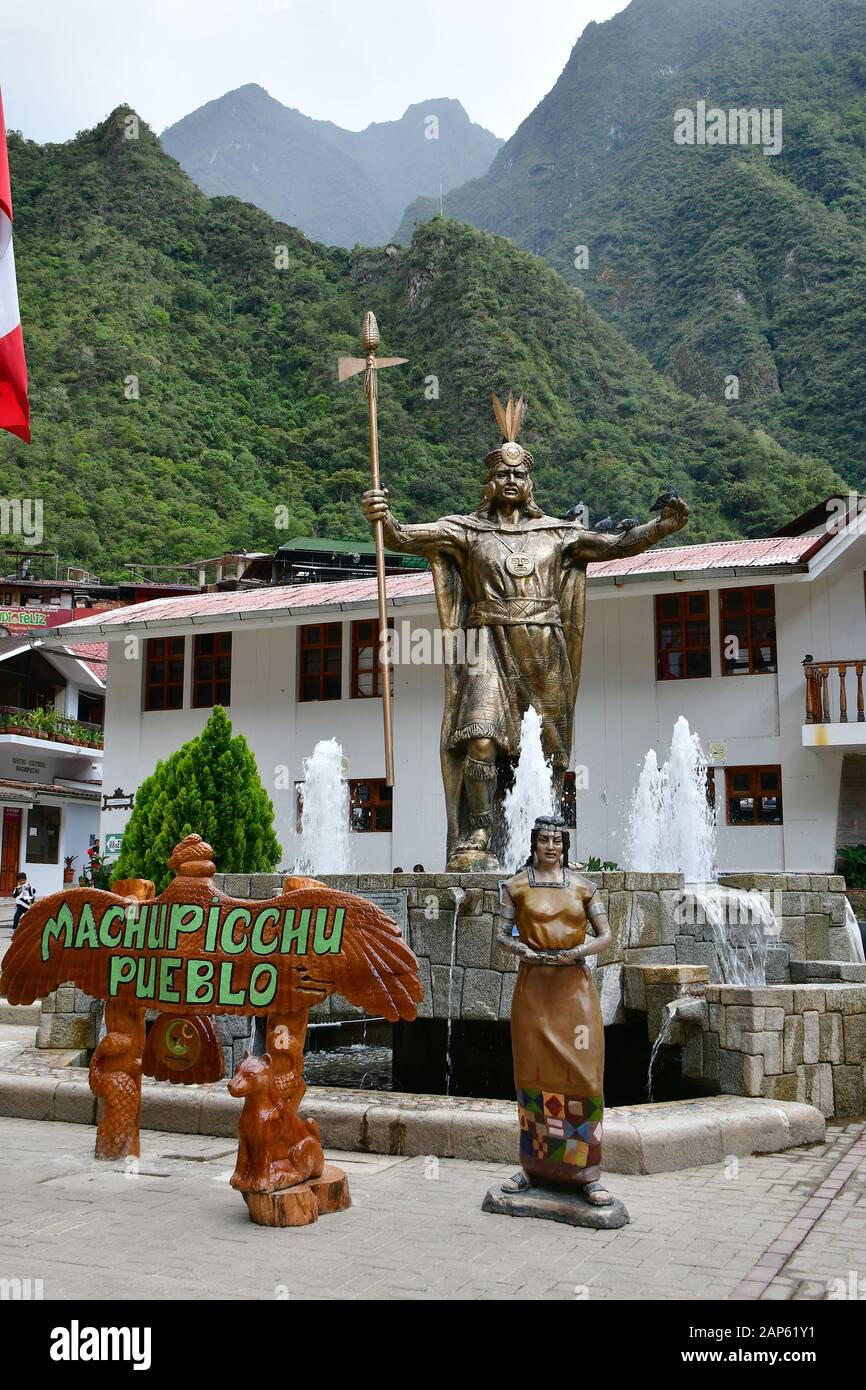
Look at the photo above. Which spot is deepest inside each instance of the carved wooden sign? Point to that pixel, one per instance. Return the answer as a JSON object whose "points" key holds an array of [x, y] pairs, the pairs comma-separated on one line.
{"points": [[192, 951]]}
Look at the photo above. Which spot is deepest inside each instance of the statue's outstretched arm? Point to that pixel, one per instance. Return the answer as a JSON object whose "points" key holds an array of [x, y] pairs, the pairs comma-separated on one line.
{"points": [[596, 545], [428, 538]]}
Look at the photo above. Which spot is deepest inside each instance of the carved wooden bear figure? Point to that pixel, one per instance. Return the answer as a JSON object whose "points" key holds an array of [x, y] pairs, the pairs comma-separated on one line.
{"points": [[276, 1149]]}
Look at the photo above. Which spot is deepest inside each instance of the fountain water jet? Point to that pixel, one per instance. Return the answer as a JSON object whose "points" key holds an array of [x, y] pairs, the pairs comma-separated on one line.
{"points": [[532, 793], [325, 836], [672, 829], [672, 826]]}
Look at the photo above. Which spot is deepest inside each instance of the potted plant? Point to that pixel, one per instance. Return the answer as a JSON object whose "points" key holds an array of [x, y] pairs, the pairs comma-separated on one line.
{"points": [[51, 724], [98, 875], [38, 723], [68, 872]]}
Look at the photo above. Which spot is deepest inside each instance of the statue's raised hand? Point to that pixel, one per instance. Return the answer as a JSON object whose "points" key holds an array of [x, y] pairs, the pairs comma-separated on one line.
{"points": [[673, 511], [375, 504]]}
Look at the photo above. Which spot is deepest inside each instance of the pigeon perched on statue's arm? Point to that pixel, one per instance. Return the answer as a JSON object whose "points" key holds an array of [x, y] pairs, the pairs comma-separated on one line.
{"points": [[631, 536]]}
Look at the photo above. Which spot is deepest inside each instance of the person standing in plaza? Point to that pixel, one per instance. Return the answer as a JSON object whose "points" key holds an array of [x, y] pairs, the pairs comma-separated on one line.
{"points": [[24, 896]]}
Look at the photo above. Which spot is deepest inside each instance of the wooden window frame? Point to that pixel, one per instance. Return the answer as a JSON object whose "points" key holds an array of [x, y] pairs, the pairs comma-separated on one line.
{"points": [[359, 644], [756, 792], [305, 644], [380, 806], [175, 647], [685, 648], [751, 644], [205, 689]]}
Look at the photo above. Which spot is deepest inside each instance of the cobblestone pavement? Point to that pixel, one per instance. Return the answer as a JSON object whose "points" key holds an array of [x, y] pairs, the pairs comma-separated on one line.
{"points": [[416, 1230]]}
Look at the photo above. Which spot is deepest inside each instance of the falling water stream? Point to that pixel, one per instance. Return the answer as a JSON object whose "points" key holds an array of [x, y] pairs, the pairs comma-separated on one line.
{"points": [[855, 940], [664, 1031], [459, 895]]}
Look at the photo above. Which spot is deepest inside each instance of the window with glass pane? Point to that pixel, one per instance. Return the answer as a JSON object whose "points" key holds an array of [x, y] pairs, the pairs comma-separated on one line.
{"points": [[754, 795], [366, 671], [747, 619], [163, 673], [370, 805], [682, 636], [43, 835], [212, 670], [320, 662], [568, 802]]}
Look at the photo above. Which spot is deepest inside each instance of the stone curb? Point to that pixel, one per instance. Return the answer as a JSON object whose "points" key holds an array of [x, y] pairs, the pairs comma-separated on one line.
{"points": [[659, 1138], [27, 1015]]}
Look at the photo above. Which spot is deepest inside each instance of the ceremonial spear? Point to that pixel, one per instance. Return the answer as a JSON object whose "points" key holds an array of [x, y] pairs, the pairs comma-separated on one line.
{"points": [[370, 365]]}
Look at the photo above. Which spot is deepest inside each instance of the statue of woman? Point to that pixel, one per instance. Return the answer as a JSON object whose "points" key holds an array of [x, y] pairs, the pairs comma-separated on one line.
{"points": [[556, 1024]]}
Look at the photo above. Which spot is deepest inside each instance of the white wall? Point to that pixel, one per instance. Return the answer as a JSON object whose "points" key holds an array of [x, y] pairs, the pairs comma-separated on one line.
{"points": [[621, 712], [281, 732]]}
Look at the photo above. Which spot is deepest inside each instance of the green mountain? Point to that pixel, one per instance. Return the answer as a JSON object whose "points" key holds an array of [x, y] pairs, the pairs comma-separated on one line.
{"points": [[714, 260], [183, 361], [338, 186]]}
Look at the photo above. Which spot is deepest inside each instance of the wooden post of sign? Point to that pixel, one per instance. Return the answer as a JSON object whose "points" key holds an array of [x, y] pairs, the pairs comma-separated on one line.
{"points": [[281, 1169], [115, 1077]]}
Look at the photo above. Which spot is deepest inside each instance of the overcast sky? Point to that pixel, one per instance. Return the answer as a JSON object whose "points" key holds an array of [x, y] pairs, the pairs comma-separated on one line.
{"points": [[64, 64]]}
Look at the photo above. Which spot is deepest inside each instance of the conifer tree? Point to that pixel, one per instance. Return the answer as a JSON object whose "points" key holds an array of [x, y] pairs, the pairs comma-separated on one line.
{"points": [[209, 787]]}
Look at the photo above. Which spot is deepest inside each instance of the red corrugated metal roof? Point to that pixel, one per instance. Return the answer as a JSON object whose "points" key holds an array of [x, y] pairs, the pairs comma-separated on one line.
{"points": [[271, 599], [717, 555], [770, 550]]}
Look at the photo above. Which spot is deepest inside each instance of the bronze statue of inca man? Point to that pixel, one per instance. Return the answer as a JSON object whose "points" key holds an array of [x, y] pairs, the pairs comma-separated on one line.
{"points": [[519, 577]]}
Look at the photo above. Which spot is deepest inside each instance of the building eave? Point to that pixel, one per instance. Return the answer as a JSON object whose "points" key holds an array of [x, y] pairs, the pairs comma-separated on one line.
{"points": [[812, 560]]}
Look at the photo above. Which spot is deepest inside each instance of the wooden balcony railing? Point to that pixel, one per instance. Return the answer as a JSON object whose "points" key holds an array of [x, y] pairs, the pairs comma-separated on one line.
{"points": [[820, 706]]}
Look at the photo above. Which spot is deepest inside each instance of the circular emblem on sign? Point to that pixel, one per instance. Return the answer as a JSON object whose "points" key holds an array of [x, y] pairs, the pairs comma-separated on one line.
{"points": [[520, 564], [182, 1044]]}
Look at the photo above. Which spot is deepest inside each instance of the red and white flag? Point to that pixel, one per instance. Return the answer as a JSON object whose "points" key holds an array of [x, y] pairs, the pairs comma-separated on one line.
{"points": [[14, 406]]}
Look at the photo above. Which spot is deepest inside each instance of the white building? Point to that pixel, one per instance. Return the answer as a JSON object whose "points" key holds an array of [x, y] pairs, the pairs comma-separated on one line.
{"points": [[717, 632], [51, 712]]}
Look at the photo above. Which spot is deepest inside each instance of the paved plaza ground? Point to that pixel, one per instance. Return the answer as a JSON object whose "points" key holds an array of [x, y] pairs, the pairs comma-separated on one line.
{"points": [[416, 1230]]}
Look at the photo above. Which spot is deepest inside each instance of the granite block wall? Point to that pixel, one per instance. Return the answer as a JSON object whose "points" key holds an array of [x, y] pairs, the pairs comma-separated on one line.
{"points": [[651, 920], [796, 1042]]}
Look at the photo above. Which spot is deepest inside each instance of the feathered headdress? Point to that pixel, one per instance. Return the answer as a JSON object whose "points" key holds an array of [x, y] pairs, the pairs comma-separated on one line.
{"points": [[509, 418]]}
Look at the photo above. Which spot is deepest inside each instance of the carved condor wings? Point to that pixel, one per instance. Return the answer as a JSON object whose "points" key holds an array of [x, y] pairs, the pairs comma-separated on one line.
{"points": [[194, 950]]}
